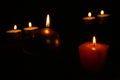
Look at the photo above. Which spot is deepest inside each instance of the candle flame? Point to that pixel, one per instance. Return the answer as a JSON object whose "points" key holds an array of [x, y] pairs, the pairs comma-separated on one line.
{"points": [[101, 12], [94, 40], [30, 24], [15, 27], [89, 14], [48, 21], [94, 43]]}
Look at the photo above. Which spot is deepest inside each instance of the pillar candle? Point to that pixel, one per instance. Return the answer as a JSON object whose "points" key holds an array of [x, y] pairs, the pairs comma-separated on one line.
{"points": [[15, 33], [93, 55], [30, 30]]}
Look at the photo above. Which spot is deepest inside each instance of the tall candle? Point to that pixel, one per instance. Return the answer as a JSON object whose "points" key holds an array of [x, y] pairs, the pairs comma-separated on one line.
{"points": [[102, 16], [89, 18], [30, 30], [15, 33], [93, 55]]}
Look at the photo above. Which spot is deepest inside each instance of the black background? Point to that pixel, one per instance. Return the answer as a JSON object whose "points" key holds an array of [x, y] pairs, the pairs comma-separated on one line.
{"points": [[66, 20]]}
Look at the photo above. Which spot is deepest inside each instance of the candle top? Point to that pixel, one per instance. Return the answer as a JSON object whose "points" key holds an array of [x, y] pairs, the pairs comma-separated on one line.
{"points": [[94, 46], [89, 17], [98, 46], [102, 14], [30, 27], [15, 30]]}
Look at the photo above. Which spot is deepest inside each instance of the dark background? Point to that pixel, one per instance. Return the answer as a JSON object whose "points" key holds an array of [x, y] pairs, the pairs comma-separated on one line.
{"points": [[66, 20]]}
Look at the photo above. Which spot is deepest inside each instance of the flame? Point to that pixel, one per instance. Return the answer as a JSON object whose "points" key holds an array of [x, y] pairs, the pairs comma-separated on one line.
{"points": [[30, 24], [94, 40], [48, 21], [94, 43], [89, 14], [101, 12], [15, 27]]}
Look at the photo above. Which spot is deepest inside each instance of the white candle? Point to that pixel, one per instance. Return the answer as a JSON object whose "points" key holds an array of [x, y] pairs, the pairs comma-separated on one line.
{"points": [[102, 14], [30, 30], [15, 33], [30, 27], [89, 17], [15, 30]]}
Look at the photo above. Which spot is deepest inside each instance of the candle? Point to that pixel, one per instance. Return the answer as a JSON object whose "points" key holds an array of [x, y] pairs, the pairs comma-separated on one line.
{"points": [[48, 35], [89, 17], [16, 33], [93, 55], [46, 40], [102, 16], [30, 30]]}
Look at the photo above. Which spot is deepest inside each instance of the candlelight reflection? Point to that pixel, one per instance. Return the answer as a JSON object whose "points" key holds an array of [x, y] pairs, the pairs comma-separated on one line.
{"points": [[46, 31], [57, 42]]}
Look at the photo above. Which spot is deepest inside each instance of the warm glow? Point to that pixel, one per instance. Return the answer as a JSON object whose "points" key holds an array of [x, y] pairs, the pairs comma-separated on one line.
{"points": [[47, 31], [30, 24], [48, 21], [89, 14], [101, 12], [94, 40], [15, 27], [57, 42]]}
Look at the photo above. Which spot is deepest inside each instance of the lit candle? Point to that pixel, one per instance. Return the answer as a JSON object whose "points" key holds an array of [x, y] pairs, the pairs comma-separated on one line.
{"points": [[89, 17], [102, 16], [49, 35], [93, 55], [30, 30], [16, 33]]}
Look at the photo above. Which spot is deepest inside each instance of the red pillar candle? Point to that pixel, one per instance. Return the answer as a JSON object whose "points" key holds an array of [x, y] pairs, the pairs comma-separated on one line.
{"points": [[93, 55]]}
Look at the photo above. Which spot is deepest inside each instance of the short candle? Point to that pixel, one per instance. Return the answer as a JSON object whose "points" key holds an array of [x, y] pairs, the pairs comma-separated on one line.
{"points": [[15, 33], [89, 17], [102, 14]]}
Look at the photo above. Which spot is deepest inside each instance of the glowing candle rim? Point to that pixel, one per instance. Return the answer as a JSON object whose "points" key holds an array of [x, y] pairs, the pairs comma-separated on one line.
{"points": [[31, 28], [89, 17], [14, 31], [101, 15]]}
